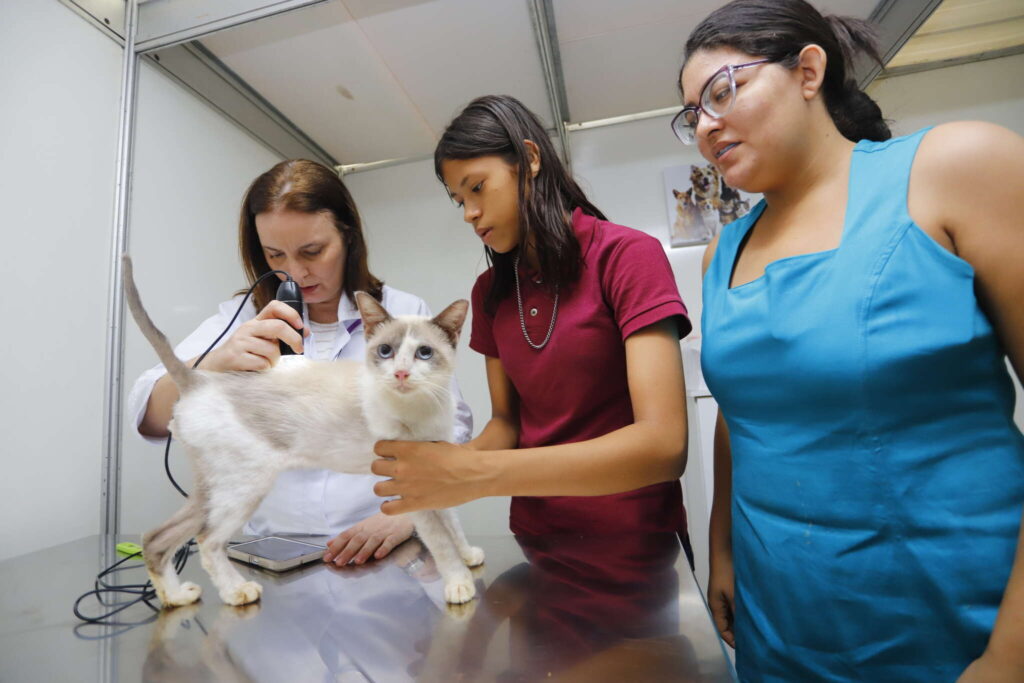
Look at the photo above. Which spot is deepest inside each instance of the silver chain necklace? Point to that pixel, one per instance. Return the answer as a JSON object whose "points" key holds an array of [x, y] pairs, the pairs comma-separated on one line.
{"points": [[522, 320]]}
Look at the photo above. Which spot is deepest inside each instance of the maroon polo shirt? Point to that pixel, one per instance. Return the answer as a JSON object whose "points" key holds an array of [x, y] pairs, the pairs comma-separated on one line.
{"points": [[575, 388]]}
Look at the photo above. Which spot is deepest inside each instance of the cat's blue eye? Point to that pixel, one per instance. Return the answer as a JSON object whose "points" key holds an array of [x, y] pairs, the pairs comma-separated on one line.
{"points": [[424, 353], [385, 351]]}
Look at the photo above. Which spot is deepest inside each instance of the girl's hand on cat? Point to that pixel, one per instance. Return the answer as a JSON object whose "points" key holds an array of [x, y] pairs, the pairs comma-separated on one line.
{"points": [[375, 537], [253, 346], [427, 475]]}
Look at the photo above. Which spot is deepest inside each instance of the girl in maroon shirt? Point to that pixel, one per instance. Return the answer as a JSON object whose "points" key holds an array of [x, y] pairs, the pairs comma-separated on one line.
{"points": [[579, 320]]}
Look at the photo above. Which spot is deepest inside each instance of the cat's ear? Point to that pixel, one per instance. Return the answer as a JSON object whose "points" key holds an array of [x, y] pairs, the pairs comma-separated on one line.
{"points": [[450, 320], [371, 312]]}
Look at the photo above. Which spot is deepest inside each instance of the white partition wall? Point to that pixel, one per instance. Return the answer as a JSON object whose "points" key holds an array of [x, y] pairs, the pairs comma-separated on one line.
{"points": [[58, 133]]}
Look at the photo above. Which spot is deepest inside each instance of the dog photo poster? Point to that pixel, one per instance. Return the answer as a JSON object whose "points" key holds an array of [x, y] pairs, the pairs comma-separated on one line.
{"points": [[700, 203]]}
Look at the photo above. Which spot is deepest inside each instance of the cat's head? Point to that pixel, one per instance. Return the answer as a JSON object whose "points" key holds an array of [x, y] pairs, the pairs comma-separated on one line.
{"points": [[411, 354]]}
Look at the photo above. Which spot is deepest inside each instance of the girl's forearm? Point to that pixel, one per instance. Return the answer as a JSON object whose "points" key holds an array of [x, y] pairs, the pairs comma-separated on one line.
{"points": [[629, 458]]}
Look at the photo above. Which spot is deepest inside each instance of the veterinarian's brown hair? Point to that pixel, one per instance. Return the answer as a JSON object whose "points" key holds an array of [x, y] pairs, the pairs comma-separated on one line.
{"points": [[498, 125], [778, 30], [307, 187]]}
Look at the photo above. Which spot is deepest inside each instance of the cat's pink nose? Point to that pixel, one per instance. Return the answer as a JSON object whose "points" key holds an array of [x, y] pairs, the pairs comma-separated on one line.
{"points": [[401, 375]]}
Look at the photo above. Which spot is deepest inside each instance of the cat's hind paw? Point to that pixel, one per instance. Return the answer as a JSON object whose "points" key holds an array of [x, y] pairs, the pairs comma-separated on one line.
{"points": [[459, 591], [242, 594], [473, 556], [186, 594]]}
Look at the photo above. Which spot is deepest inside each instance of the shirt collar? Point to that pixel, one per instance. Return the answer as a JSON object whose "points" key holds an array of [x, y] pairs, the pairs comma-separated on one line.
{"points": [[584, 226], [347, 310]]}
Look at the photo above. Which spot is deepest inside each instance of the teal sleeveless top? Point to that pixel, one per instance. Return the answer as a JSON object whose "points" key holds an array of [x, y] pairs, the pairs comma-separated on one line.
{"points": [[878, 476]]}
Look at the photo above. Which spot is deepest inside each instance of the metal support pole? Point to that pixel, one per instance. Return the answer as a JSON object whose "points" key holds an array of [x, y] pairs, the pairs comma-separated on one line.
{"points": [[547, 44], [111, 488]]}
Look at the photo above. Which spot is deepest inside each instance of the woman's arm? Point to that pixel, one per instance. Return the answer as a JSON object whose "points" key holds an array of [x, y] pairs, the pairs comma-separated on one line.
{"points": [[651, 450], [967, 182], [502, 431], [253, 346], [721, 578], [722, 581]]}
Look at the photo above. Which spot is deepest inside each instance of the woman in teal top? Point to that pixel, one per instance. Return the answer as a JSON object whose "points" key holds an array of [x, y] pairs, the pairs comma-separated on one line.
{"points": [[869, 476]]}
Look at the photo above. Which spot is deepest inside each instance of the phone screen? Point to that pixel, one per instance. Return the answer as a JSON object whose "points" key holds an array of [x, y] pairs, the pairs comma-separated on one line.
{"points": [[277, 549]]}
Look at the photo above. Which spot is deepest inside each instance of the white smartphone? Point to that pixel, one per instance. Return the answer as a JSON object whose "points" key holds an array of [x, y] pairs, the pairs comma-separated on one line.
{"points": [[276, 553]]}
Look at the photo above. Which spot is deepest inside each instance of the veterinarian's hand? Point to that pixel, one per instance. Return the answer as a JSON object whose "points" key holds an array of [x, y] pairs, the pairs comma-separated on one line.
{"points": [[253, 346], [374, 537], [428, 475]]}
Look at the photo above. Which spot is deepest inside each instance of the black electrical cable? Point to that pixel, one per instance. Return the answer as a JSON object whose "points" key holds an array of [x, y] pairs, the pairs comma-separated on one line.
{"points": [[144, 592]]}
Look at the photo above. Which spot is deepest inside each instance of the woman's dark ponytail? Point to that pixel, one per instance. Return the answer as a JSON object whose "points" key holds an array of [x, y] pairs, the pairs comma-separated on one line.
{"points": [[856, 115], [779, 30]]}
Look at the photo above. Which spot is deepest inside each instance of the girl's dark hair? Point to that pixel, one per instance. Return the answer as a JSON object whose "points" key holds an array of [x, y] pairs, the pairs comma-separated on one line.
{"points": [[498, 125], [307, 187], [778, 30]]}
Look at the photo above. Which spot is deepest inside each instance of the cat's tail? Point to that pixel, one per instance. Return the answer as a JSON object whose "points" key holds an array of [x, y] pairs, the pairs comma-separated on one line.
{"points": [[179, 372]]}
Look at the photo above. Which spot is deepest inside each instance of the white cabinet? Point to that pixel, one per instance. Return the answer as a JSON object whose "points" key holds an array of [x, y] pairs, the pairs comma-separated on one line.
{"points": [[698, 480]]}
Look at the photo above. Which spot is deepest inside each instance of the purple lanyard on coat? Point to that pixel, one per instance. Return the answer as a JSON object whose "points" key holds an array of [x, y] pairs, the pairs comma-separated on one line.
{"points": [[351, 326]]}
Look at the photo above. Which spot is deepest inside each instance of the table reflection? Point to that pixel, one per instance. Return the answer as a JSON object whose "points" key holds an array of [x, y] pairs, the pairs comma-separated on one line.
{"points": [[587, 609], [557, 608]]}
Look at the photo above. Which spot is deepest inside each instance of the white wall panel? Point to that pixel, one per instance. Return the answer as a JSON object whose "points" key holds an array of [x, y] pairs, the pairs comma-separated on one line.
{"points": [[58, 133]]}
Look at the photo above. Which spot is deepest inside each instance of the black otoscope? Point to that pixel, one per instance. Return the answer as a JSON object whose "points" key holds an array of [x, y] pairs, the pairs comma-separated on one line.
{"points": [[290, 293]]}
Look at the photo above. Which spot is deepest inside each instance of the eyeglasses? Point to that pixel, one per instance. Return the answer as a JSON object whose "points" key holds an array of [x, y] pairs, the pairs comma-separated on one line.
{"points": [[717, 98]]}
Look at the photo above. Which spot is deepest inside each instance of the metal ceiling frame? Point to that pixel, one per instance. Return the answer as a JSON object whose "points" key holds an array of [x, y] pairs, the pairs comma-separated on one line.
{"points": [[897, 22], [955, 61], [160, 29]]}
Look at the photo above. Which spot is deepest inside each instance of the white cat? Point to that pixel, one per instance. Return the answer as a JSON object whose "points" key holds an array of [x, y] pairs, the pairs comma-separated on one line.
{"points": [[241, 429]]}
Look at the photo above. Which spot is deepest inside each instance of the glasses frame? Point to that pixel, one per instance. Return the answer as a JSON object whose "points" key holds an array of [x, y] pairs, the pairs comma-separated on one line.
{"points": [[679, 121]]}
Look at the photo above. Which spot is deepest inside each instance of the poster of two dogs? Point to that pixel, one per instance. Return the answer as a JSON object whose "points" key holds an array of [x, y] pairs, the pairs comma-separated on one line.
{"points": [[700, 203]]}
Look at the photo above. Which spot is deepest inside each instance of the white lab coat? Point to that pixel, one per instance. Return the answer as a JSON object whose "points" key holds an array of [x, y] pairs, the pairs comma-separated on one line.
{"points": [[318, 502]]}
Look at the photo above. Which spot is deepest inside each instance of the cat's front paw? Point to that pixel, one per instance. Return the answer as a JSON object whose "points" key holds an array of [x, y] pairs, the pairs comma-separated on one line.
{"points": [[242, 594], [186, 594], [473, 556], [459, 591], [461, 612]]}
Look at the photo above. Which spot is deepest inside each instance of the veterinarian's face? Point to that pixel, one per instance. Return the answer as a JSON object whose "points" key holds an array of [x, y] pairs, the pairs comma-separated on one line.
{"points": [[487, 190], [307, 246], [740, 143]]}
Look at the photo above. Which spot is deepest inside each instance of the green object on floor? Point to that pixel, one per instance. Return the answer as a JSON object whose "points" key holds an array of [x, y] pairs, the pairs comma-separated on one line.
{"points": [[129, 548]]}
